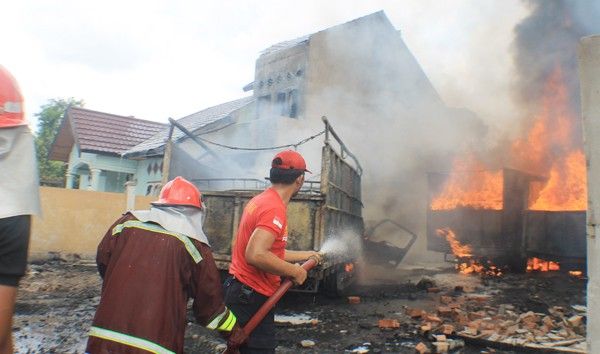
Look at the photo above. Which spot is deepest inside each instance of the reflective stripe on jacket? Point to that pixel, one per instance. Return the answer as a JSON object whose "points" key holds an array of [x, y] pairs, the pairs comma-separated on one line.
{"points": [[149, 274]]}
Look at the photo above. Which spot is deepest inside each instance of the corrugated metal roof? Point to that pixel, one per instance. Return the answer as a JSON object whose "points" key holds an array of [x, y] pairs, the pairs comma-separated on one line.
{"points": [[100, 132], [193, 122]]}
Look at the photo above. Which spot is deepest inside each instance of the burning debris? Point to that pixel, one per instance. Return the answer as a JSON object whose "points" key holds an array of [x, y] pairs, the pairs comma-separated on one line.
{"points": [[539, 211], [540, 265], [466, 263], [509, 200]]}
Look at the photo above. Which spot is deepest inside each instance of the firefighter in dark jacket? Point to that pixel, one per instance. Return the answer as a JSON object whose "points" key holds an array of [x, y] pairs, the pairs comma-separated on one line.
{"points": [[152, 262]]}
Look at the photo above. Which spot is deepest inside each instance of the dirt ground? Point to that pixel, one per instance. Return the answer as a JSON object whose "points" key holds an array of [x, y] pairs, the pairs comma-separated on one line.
{"points": [[57, 300]]}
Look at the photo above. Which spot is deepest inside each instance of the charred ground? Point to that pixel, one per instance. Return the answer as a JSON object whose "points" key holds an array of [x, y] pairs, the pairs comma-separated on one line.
{"points": [[57, 301]]}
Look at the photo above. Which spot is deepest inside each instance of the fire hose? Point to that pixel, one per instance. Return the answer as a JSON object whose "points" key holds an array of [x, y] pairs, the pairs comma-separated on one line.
{"points": [[269, 304]]}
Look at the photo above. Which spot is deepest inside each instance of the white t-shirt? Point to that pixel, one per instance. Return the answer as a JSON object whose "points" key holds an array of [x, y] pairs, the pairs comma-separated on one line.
{"points": [[19, 183]]}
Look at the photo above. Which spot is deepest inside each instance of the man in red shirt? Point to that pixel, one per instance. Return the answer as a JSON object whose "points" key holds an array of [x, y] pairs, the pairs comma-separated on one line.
{"points": [[259, 257]]}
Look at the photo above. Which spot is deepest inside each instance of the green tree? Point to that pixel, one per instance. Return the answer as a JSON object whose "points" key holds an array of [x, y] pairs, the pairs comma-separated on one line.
{"points": [[49, 119]]}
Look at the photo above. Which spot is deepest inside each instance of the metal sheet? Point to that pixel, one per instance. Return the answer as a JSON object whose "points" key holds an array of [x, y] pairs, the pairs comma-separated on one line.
{"points": [[555, 235], [490, 233], [341, 186], [481, 229]]}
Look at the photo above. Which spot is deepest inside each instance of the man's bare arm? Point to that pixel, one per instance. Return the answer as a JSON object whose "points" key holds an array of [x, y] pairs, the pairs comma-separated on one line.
{"points": [[258, 254], [299, 256]]}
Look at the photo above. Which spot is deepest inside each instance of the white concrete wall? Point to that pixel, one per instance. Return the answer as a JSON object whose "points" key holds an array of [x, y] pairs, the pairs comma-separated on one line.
{"points": [[589, 72]]}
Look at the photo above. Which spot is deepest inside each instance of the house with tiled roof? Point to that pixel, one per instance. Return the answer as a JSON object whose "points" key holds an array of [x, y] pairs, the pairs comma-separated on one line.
{"points": [[360, 74], [92, 144]]}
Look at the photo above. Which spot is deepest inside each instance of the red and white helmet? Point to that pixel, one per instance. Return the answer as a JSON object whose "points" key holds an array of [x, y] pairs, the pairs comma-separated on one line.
{"points": [[180, 191], [11, 101]]}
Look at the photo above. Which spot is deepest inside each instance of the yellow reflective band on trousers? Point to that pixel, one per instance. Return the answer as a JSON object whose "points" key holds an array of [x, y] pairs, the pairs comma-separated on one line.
{"points": [[229, 323], [215, 322], [128, 340], [189, 246]]}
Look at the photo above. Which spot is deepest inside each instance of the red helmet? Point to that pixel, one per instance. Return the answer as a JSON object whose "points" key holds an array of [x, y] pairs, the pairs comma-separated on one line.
{"points": [[180, 191], [11, 101]]}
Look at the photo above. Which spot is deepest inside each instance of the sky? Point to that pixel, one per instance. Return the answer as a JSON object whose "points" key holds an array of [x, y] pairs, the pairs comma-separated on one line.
{"points": [[160, 59]]}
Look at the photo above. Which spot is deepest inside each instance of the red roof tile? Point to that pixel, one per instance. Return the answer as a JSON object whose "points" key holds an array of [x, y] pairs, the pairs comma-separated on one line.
{"points": [[101, 132]]}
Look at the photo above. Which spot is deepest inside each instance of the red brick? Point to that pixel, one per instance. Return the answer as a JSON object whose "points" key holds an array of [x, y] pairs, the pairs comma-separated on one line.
{"points": [[441, 347], [421, 348], [474, 324], [444, 311], [354, 299], [548, 322], [477, 315], [488, 332], [447, 329], [433, 318], [488, 325], [479, 298], [460, 317], [511, 330], [388, 323], [414, 313], [426, 328], [446, 299]]}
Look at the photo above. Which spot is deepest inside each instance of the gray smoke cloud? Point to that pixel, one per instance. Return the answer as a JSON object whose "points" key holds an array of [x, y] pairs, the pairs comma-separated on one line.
{"points": [[364, 78], [545, 42], [547, 39]]}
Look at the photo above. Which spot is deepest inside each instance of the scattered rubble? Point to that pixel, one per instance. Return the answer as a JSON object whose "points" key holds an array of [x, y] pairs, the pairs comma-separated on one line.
{"points": [[295, 319], [473, 318], [307, 343], [469, 314]]}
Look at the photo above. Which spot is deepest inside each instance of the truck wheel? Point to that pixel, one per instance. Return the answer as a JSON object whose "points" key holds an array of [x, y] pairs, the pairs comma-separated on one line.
{"points": [[338, 282]]}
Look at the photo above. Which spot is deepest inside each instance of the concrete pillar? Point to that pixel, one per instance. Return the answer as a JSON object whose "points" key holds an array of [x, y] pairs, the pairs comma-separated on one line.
{"points": [[84, 181], [589, 75], [70, 178], [130, 191], [95, 178]]}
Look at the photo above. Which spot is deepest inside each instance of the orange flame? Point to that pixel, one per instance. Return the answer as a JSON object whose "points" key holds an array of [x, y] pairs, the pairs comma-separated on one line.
{"points": [[349, 267], [551, 131], [566, 188], [470, 185], [468, 265], [458, 249], [540, 265], [548, 150]]}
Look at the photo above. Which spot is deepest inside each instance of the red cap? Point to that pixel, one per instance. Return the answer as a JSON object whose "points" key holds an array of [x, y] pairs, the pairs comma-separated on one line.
{"points": [[289, 160]]}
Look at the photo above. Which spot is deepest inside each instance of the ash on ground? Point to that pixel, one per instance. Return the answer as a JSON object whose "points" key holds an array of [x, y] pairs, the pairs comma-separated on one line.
{"points": [[57, 300]]}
